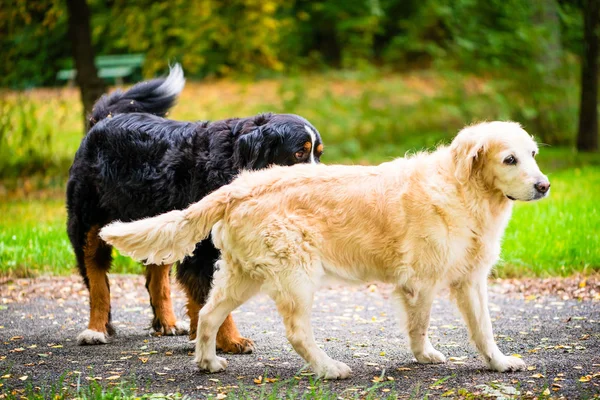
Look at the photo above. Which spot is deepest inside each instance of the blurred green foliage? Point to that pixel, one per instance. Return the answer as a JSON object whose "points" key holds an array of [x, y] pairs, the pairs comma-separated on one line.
{"points": [[363, 116], [265, 37]]}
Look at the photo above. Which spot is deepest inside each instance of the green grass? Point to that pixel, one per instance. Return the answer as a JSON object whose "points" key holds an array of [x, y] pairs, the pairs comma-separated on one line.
{"points": [[33, 240], [559, 235]]}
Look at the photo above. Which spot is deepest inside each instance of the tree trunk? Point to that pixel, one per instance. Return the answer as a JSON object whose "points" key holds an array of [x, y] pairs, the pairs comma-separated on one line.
{"points": [[587, 136], [90, 86]]}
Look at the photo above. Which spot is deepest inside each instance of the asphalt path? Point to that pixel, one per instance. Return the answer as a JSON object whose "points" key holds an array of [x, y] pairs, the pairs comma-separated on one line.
{"points": [[558, 338]]}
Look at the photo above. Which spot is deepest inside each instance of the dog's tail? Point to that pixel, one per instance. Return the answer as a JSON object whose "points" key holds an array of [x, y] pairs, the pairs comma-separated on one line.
{"points": [[155, 96], [171, 236]]}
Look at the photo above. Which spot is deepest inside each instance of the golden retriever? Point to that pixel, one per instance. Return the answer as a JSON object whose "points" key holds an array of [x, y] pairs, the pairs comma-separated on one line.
{"points": [[420, 223]]}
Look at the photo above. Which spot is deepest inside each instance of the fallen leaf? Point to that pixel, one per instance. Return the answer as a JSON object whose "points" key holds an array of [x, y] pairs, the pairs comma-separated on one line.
{"points": [[585, 378], [143, 359], [537, 376], [113, 377], [258, 380], [546, 392], [23, 378]]}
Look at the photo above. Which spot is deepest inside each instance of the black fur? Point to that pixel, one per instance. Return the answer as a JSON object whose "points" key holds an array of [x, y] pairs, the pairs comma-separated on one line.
{"points": [[133, 165]]}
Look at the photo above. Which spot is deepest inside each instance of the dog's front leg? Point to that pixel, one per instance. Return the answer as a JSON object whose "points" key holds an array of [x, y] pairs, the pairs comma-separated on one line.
{"points": [[472, 300]]}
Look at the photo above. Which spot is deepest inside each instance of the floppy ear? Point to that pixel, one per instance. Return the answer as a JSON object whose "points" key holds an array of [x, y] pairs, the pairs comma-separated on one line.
{"points": [[255, 148], [465, 149]]}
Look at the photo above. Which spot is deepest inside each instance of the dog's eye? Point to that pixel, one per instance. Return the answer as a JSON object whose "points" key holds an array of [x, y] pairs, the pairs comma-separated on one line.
{"points": [[299, 155], [533, 154], [510, 160]]}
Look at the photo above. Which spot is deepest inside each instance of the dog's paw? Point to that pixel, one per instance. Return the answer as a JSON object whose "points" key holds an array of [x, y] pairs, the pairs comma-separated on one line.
{"points": [[430, 356], [92, 337], [238, 345], [216, 364], [507, 363], [179, 329], [334, 370]]}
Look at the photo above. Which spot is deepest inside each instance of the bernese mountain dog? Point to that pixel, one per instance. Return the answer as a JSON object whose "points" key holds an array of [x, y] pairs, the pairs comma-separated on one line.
{"points": [[133, 163]]}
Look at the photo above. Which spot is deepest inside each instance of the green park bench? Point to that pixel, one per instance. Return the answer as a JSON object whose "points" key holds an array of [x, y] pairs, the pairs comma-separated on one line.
{"points": [[113, 68]]}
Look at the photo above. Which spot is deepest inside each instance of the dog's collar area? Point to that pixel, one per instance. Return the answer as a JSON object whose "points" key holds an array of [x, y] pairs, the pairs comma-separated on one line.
{"points": [[511, 198]]}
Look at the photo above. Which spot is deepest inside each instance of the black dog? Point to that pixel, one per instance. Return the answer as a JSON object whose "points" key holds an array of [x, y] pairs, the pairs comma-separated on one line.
{"points": [[133, 164]]}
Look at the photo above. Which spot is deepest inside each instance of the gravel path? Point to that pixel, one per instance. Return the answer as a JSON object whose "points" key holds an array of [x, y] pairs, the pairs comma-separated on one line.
{"points": [[557, 336]]}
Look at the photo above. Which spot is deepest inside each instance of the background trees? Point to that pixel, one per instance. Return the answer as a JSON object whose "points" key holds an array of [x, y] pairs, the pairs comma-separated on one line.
{"points": [[537, 45]]}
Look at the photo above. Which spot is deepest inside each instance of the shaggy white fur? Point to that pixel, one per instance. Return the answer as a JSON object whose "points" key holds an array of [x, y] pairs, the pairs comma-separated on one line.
{"points": [[421, 223]]}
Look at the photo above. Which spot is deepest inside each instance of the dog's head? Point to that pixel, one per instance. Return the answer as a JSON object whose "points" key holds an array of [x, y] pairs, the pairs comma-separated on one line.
{"points": [[281, 139], [501, 156]]}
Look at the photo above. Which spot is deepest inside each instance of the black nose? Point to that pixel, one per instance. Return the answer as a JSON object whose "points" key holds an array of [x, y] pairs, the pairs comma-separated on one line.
{"points": [[542, 187]]}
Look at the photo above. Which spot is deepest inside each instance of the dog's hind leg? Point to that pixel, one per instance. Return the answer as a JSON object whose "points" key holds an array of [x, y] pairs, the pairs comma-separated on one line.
{"points": [[414, 309], [230, 290], [159, 289], [293, 296], [195, 275], [97, 259], [472, 298]]}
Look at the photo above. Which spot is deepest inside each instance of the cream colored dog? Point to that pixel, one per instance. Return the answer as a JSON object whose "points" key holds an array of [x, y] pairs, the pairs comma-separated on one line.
{"points": [[419, 223]]}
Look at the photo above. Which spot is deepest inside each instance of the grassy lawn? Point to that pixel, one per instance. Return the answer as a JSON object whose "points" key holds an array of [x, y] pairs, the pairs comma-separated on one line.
{"points": [[362, 118]]}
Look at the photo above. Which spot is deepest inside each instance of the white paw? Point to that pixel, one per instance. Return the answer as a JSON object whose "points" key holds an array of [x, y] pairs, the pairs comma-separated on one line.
{"points": [[334, 370], [92, 337], [180, 329], [506, 363], [430, 356], [212, 365]]}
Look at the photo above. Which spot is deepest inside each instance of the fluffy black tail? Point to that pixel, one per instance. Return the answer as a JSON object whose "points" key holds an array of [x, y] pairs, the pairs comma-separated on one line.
{"points": [[156, 97]]}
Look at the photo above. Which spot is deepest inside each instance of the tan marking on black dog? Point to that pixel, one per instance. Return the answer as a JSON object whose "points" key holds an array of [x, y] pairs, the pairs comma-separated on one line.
{"points": [[229, 339], [97, 268], [159, 288]]}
